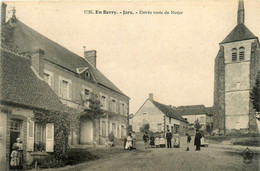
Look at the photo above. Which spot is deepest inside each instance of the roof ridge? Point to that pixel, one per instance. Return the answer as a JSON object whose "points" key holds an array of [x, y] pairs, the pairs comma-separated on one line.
{"points": [[14, 53]]}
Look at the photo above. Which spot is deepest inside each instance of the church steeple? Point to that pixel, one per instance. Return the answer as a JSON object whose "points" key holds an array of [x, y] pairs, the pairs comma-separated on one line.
{"points": [[240, 12]]}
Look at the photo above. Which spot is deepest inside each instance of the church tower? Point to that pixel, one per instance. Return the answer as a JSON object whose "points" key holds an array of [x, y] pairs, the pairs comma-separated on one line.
{"points": [[236, 66]]}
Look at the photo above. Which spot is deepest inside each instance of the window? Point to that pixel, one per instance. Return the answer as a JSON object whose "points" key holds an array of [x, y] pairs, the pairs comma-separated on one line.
{"points": [[114, 129], [170, 120], [234, 54], [87, 74], [103, 101], [145, 117], [241, 53], [86, 92], [123, 108], [65, 90], [103, 133], [113, 105], [39, 137], [15, 125], [48, 77]]}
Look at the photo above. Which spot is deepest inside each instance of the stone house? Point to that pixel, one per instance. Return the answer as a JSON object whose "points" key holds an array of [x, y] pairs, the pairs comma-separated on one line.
{"points": [[23, 91], [160, 118], [236, 66], [196, 112], [75, 79]]}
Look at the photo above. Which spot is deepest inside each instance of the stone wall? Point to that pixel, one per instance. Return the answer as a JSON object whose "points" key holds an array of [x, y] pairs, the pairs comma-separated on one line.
{"points": [[219, 92], [254, 69]]}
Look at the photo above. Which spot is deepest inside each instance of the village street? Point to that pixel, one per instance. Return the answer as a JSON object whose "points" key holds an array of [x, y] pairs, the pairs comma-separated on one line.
{"points": [[215, 157]]}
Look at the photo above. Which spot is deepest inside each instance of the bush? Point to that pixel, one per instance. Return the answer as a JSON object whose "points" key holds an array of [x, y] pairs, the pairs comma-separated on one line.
{"points": [[76, 156]]}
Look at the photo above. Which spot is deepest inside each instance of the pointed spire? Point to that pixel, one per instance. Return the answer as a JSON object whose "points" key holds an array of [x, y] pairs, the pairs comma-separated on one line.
{"points": [[240, 12]]}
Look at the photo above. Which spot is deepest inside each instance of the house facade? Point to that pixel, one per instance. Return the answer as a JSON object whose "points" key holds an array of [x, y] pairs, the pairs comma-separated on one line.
{"points": [[197, 112], [236, 67], [24, 92], [74, 79], [160, 118]]}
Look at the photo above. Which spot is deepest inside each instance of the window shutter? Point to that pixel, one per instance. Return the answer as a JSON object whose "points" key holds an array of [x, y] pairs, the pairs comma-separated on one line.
{"points": [[60, 88], [49, 137], [70, 91], [52, 81], [30, 135]]}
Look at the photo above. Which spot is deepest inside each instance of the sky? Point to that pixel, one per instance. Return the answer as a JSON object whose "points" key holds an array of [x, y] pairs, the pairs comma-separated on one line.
{"points": [[169, 55]]}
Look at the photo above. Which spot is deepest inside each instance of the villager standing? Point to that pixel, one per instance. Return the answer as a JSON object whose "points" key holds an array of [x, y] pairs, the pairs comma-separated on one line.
{"points": [[17, 154], [133, 140], [169, 139], [177, 140], [162, 142], [111, 138], [146, 140], [152, 140], [157, 141], [129, 145], [197, 141], [188, 141]]}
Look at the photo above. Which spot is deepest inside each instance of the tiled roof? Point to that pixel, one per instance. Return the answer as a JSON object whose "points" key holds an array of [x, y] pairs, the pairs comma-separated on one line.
{"points": [[194, 110], [168, 111], [27, 39], [240, 32], [20, 85]]}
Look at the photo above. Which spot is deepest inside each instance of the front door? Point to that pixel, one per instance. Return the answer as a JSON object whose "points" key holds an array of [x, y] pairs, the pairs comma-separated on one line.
{"points": [[15, 132]]}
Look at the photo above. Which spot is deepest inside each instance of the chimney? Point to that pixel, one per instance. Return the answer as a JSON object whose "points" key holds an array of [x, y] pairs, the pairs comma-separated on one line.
{"points": [[3, 12], [151, 96], [91, 57], [37, 61]]}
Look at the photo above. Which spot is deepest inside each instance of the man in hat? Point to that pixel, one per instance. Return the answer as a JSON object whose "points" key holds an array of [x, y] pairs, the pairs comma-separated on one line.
{"points": [[169, 139], [197, 141]]}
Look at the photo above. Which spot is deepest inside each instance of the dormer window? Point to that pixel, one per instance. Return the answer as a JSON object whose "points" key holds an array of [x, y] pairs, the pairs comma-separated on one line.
{"points": [[234, 54], [87, 74], [241, 53]]}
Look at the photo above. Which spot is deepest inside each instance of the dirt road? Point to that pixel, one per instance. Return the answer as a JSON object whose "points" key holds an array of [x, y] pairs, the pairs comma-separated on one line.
{"points": [[211, 158]]}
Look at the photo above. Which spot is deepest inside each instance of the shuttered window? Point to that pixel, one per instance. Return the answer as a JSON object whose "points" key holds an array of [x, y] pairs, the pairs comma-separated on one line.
{"points": [[49, 137], [65, 88], [234, 54], [30, 135], [241, 53], [48, 77]]}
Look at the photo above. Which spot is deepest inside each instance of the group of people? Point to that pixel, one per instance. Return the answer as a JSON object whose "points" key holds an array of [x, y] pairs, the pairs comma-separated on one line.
{"points": [[158, 141], [130, 141], [16, 161]]}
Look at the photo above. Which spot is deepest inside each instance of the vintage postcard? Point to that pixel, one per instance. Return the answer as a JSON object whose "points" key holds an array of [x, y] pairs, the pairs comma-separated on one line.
{"points": [[130, 85]]}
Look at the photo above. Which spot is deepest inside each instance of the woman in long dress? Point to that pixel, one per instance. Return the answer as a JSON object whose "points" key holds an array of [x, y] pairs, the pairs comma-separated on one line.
{"points": [[128, 145], [152, 140], [176, 140]]}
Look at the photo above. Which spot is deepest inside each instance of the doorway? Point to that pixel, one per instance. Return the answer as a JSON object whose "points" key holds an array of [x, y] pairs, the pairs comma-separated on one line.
{"points": [[15, 132]]}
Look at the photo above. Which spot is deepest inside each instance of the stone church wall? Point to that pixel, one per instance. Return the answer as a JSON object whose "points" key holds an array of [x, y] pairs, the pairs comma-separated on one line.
{"points": [[219, 92]]}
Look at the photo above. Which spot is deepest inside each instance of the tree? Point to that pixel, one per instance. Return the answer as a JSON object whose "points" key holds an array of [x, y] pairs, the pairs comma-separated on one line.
{"points": [[145, 128], [197, 124], [255, 94], [92, 106]]}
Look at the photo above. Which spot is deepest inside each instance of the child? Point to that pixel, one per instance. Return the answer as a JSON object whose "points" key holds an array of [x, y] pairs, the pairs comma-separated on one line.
{"points": [[157, 142], [14, 157], [152, 141], [188, 141], [162, 142]]}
